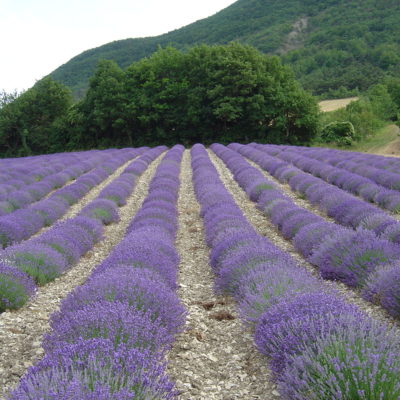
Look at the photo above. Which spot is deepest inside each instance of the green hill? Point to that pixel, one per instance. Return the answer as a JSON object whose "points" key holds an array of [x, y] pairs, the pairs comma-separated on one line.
{"points": [[329, 43]]}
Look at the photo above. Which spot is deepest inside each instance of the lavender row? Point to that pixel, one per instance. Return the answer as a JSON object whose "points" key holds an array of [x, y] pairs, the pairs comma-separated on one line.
{"points": [[110, 336], [22, 171], [32, 182], [41, 259], [33, 192], [343, 207], [318, 346], [334, 157], [23, 223], [357, 258], [359, 180], [114, 195]]}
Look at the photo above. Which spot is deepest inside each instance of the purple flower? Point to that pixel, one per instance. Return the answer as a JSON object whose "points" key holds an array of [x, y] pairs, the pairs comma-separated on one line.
{"points": [[16, 287], [383, 287], [351, 256], [141, 289], [96, 370], [116, 321], [291, 324], [102, 209], [358, 359], [39, 261], [270, 283]]}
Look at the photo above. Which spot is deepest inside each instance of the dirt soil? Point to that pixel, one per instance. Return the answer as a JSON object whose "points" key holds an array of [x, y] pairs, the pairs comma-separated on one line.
{"points": [[332, 105]]}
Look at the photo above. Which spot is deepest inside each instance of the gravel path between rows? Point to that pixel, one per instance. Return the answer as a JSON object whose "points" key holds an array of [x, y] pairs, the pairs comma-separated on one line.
{"points": [[21, 331], [265, 228], [215, 358]]}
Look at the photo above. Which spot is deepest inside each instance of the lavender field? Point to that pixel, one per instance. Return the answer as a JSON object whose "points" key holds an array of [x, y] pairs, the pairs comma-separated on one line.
{"points": [[234, 272]]}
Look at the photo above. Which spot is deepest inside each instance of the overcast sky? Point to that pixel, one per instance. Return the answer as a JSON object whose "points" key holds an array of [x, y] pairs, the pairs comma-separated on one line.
{"points": [[37, 36]]}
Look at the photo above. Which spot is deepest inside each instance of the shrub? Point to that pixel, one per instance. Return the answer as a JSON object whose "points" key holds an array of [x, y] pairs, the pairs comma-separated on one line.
{"points": [[295, 322], [243, 260], [95, 370], [38, 260], [383, 287], [309, 237], [140, 289], [118, 322], [104, 210], [269, 284], [351, 256], [359, 360], [342, 133], [295, 222], [16, 287]]}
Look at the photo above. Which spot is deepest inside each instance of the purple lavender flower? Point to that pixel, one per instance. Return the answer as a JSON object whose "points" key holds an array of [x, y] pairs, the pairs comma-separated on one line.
{"points": [[39, 261], [351, 256], [141, 289], [96, 370], [116, 321], [102, 209], [383, 287], [93, 226], [359, 359], [243, 259], [50, 210], [294, 222], [16, 287], [296, 321], [270, 283]]}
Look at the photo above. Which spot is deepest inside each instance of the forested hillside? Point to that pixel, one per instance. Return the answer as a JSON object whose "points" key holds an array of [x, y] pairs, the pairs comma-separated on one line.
{"points": [[330, 44]]}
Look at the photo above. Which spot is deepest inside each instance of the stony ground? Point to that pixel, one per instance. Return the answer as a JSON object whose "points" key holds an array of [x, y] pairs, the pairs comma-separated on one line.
{"points": [[214, 358]]}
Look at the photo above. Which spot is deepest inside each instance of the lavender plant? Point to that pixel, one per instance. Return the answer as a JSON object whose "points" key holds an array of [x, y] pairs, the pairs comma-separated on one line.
{"points": [[357, 360], [16, 287], [96, 370]]}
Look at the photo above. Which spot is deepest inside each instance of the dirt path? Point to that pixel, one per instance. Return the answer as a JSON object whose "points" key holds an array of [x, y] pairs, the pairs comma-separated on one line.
{"points": [[21, 331], [213, 359], [392, 148]]}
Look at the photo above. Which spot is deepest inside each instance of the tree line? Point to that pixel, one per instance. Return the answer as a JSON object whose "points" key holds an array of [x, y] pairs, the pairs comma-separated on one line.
{"points": [[206, 94]]}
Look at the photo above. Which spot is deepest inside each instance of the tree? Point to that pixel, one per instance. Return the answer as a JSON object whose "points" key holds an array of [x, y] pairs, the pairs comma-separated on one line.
{"points": [[217, 93], [27, 122], [102, 110]]}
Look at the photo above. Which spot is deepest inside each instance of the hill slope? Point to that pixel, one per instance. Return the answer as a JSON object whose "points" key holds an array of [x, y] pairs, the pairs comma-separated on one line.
{"points": [[329, 43]]}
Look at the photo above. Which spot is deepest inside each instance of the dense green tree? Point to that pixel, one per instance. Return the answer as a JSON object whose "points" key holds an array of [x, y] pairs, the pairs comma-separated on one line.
{"points": [[27, 123], [102, 109], [217, 93]]}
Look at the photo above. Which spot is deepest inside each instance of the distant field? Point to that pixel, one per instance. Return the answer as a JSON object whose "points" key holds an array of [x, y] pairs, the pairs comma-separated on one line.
{"points": [[332, 105]]}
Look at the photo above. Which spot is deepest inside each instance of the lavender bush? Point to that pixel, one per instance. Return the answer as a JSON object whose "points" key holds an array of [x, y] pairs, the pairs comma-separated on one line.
{"points": [[96, 370], [104, 210], [140, 289], [351, 256], [116, 321], [39, 261], [291, 324], [383, 287], [357, 360], [16, 287]]}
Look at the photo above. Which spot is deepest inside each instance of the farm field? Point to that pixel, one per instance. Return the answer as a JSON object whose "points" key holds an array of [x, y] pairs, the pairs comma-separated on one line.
{"points": [[336, 104], [233, 272]]}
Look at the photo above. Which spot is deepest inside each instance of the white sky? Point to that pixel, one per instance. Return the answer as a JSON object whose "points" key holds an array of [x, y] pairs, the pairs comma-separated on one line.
{"points": [[37, 36]]}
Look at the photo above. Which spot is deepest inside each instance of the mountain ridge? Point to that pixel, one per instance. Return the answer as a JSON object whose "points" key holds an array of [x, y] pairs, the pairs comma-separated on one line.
{"points": [[345, 43]]}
